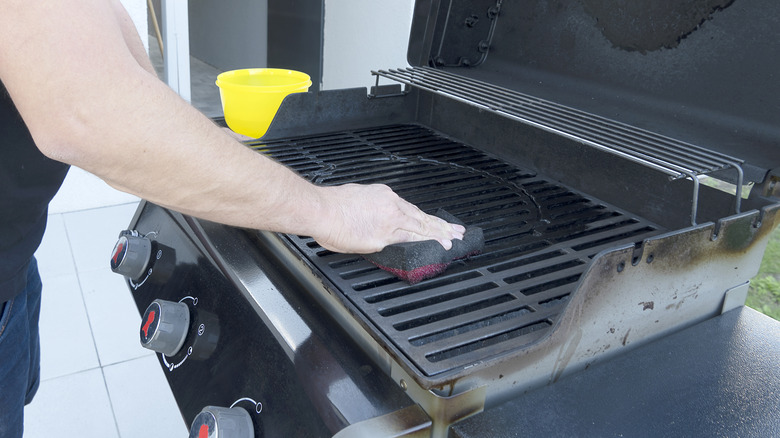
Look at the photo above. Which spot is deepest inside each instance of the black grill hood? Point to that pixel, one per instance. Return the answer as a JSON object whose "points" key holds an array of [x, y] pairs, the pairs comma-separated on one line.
{"points": [[703, 71]]}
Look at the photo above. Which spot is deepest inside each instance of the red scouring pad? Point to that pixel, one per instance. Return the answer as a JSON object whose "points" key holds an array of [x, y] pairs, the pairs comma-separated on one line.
{"points": [[417, 261]]}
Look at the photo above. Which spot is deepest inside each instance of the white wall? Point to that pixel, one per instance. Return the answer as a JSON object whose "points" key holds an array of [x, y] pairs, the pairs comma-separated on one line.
{"points": [[363, 35], [229, 35], [137, 11], [359, 36]]}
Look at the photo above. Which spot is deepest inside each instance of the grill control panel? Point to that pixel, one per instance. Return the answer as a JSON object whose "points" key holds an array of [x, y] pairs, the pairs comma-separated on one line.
{"points": [[164, 326], [219, 422], [131, 255], [179, 331], [220, 360]]}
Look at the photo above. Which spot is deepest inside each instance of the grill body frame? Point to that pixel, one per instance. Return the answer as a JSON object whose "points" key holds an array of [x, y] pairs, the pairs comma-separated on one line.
{"points": [[684, 289], [630, 295], [618, 299]]}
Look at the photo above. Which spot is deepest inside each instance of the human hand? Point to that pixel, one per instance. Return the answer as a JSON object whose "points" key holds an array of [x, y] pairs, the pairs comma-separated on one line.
{"points": [[363, 219]]}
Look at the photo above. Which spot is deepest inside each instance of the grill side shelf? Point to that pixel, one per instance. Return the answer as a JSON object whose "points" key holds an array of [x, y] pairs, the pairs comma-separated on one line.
{"points": [[675, 158]]}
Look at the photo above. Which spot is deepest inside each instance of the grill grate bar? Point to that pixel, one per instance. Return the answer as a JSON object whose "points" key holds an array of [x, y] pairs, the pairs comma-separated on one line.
{"points": [[482, 323], [480, 320], [511, 332], [485, 327], [428, 304], [539, 239]]}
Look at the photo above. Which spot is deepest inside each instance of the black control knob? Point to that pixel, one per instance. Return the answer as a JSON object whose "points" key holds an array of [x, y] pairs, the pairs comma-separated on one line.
{"points": [[131, 255], [164, 326], [216, 422]]}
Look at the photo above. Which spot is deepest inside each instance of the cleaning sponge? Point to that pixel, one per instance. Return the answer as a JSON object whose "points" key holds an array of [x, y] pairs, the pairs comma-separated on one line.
{"points": [[417, 261]]}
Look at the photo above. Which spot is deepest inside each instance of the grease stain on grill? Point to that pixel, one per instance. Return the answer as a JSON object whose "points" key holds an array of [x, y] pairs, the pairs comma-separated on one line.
{"points": [[556, 301], [539, 239], [649, 26]]}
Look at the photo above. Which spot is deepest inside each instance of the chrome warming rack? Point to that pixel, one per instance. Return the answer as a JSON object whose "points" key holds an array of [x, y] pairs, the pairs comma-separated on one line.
{"points": [[677, 159]]}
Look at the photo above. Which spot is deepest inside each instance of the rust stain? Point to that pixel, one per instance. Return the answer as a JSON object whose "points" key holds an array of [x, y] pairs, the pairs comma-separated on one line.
{"points": [[690, 293], [647, 305]]}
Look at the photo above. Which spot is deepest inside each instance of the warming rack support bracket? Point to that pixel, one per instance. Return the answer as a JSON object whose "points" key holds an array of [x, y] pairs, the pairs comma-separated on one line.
{"points": [[675, 158]]}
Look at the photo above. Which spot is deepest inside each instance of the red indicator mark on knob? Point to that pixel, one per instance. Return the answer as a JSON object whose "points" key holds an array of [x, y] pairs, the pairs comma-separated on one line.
{"points": [[148, 322], [203, 432], [119, 247]]}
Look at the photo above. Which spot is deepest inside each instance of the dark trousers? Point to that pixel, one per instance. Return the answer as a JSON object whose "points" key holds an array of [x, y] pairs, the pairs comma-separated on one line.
{"points": [[19, 354]]}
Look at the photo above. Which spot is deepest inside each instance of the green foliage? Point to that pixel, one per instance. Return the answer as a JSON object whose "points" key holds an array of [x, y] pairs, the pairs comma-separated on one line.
{"points": [[771, 262], [764, 296], [764, 292]]}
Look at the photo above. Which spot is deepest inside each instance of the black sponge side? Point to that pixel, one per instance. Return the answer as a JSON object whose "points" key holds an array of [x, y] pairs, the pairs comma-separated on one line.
{"points": [[416, 261]]}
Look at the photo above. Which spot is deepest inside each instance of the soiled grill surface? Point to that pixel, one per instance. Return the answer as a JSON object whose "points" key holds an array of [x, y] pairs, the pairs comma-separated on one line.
{"points": [[539, 239]]}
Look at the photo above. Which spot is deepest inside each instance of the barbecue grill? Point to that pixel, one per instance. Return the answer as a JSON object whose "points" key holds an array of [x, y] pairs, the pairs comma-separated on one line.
{"points": [[581, 145]]}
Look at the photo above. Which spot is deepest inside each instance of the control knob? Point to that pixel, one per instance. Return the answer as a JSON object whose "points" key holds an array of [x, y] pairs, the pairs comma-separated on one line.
{"points": [[217, 422], [131, 255], [164, 326]]}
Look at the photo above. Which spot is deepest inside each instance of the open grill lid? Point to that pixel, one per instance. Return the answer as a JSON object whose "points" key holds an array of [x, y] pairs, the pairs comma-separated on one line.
{"points": [[701, 71]]}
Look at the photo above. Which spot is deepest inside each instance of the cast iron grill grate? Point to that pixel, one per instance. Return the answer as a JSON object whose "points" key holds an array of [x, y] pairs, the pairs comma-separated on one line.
{"points": [[539, 239]]}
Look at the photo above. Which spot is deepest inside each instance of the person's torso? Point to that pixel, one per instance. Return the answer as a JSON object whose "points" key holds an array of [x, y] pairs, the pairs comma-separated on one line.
{"points": [[28, 181]]}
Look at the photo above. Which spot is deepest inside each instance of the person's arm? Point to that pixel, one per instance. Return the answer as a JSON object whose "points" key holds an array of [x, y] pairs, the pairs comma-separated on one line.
{"points": [[88, 101], [131, 37]]}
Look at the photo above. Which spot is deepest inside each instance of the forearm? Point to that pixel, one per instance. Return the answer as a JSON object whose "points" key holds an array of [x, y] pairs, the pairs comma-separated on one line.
{"points": [[90, 103], [89, 99], [131, 37], [188, 163], [203, 204], [147, 141]]}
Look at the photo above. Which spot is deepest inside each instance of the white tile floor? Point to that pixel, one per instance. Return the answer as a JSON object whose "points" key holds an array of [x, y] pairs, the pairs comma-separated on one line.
{"points": [[97, 381]]}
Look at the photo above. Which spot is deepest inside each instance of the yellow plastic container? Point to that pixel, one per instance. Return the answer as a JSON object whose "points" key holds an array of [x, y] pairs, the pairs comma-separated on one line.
{"points": [[251, 97]]}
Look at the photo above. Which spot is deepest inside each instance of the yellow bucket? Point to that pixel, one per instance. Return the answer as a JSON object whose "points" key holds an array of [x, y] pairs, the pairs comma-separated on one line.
{"points": [[251, 97]]}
